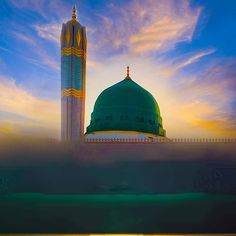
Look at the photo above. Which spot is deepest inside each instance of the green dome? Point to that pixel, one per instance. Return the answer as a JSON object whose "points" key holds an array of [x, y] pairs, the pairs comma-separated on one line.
{"points": [[126, 106]]}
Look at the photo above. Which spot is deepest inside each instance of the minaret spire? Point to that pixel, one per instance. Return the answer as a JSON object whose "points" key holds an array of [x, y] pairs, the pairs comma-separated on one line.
{"points": [[74, 13]]}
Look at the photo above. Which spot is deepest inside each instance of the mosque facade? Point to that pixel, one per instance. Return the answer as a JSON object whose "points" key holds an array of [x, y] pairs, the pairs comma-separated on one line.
{"points": [[124, 110]]}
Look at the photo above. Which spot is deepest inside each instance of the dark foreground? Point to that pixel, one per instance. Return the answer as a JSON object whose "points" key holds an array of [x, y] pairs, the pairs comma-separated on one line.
{"points": [[162, 187], [159, 213]]}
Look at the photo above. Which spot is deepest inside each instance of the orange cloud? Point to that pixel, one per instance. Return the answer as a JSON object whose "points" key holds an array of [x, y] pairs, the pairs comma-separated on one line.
{"points": [[41, 113], [7, 129], [160, 34], [185, 101], [155, 26], [192, 105], [218, 127], [159, 25]]}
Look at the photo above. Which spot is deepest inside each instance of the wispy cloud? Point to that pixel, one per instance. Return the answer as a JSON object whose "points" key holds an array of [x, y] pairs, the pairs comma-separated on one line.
{"points": [[194, 58], [50, 32], [34, 5], [171, 66], [48, 61], [139, 28], [37, 54], [194, 101], [24, 37], [4, 49], [188, 101], [160, 25], [39, 112], [206, 98], [7, 128], [46, 9]]}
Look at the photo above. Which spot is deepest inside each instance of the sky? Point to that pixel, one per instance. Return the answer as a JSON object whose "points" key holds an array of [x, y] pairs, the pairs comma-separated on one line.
{"points": [[182, 51]]}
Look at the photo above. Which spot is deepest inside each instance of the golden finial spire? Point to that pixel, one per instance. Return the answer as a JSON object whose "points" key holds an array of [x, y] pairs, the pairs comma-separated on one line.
{"points": [[127, 72], [74, 13]]}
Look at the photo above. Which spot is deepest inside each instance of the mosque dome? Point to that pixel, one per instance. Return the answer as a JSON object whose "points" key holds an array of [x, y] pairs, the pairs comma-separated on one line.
{"points": [[126, 107]]}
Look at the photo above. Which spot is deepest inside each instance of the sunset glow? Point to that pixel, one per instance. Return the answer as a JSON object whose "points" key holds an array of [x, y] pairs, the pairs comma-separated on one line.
{"points": [[182, 53]]}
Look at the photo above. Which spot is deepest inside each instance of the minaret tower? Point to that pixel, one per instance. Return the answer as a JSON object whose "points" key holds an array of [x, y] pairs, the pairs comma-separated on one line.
{"points": [[73, 74]]}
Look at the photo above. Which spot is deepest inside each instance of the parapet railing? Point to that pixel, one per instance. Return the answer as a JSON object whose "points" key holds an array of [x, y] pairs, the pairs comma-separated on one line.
{"points": [[161, 140]]}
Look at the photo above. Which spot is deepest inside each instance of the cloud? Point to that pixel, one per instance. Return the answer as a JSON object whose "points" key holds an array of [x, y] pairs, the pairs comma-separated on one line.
{"points": [[42, 60], [146, 28], [50, 32], [37, 6], [46, 9], [4, 49], [222, 127], [139, 28], [204, 99], [194, 58], [47, 60], [41, 113], [162, 34], [171, 66], [32, 4], [7, 129], [24, 37], [194, 104], [35, 52]]}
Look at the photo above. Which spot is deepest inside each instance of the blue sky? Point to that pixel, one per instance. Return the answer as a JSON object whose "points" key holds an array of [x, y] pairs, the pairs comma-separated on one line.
{"points": [[182, 51]]}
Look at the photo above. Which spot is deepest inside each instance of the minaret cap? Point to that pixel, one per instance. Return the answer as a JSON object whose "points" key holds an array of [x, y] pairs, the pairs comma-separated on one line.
{"points": [[127, 73], [74, 13]]}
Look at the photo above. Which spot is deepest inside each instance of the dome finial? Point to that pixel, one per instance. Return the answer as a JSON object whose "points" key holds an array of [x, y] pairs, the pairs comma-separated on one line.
{"points": [[127, 72], [74, 13]]}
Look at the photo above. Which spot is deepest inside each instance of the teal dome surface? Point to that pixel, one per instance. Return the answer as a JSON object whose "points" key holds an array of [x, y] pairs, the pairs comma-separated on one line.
{"points": [[126, 106]]}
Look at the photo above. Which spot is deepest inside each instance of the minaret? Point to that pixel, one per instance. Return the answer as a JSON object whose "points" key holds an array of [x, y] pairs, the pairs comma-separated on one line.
{"points": [[73, 74]]}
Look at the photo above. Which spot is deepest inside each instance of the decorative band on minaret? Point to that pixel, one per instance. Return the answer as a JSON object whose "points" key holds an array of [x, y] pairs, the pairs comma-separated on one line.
{"points": [[73, 76]]}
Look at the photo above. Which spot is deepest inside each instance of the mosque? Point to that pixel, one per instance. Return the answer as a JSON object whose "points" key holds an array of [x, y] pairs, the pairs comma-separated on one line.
{"points": [[124, 110]]}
